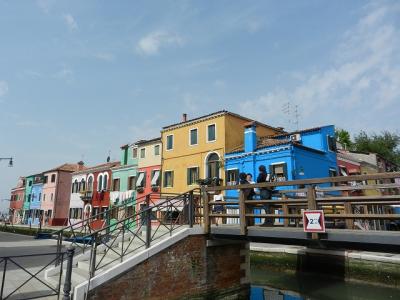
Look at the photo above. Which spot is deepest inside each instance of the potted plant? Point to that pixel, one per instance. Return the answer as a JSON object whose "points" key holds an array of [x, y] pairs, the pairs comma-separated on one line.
{"points": [[140, 189]]}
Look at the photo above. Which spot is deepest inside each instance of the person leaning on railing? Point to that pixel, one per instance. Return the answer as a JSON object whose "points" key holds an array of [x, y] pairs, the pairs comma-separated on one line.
{"points": [[265, 192], [248, 195]]}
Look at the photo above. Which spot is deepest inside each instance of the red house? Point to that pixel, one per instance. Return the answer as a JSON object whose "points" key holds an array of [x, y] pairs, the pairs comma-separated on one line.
{"points": [[17, 201], [95, 190]]}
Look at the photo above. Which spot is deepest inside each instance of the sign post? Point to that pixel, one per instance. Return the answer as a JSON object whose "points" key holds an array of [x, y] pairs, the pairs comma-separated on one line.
{"points": [[313, 221]]}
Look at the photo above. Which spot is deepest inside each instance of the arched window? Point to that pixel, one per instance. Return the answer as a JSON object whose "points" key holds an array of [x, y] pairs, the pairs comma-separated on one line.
{"points": [[100, 183], [212, 166], [83, 185], [75, 186], [105, 182], [90, 184]]}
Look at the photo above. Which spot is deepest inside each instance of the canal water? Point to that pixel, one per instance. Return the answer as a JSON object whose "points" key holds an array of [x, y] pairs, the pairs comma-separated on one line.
{"points": [[274, 285]]}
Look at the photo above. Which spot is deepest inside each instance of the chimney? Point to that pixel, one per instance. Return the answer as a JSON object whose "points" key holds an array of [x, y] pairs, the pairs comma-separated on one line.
{"points": [[184, 117], [250, 137], [80, 165]]}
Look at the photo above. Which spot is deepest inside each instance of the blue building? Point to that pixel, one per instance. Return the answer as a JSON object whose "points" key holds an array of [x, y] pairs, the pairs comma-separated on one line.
{"points": [[302, 154], [36, 200]]}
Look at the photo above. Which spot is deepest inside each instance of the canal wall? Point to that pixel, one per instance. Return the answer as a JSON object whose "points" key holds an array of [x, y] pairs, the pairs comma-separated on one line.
{"points": [[193, 268], [375, 268]]}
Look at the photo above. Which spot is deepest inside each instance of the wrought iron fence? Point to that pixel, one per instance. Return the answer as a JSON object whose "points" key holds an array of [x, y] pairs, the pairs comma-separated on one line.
{"points": [[21, 281]]}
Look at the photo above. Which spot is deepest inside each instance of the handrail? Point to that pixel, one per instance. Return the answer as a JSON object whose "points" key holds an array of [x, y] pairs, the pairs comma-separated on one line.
{"points": [[388, 175], [139, 213]]}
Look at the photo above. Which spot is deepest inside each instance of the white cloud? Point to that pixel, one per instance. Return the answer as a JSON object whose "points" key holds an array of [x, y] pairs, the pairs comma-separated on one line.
{"points": [[105, 56], [70, 22], [45, 5], [154, 41], [65, 74], [3, 88], [362, 83]]}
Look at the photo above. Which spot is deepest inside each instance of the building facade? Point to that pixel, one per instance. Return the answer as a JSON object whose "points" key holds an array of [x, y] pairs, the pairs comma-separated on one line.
{"points": [[149, 169], [302, 154], [195, 149], [26, 218], [94, 188], [124, 177], [35, 212], [56, 193], [17, 201]]}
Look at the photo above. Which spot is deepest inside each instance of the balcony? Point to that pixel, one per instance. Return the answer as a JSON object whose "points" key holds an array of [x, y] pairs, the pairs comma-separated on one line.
{"points": [[86, 196]]}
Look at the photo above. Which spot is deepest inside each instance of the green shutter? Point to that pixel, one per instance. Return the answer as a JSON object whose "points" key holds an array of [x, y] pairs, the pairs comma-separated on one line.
{"points": [[188, 176]]}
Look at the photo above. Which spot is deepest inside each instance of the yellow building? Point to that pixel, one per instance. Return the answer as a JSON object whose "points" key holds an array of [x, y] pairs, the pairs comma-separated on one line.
{"points": [[195, 148]]}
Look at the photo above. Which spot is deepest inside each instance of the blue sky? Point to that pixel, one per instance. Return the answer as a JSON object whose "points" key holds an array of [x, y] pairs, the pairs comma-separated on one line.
{"points": [[80, 78]]}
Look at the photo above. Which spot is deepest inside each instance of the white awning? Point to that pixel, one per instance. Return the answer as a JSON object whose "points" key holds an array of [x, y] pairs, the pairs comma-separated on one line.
{"points": [[140, 179], [343, 171], [155, 177]]}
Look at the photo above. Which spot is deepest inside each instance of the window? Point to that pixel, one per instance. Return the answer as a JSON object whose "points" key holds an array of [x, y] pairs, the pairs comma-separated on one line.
{"points": [[213, 166], [143, 153], [279, 171], [30, 183], [100, 183], [170, 142], [105, 182], [116, 184], [134, 152], [90, 183], [211, 133], [232, 177], [193, 137], [49, 213], [40, 196], [157, 150], [155, 177], [131, 183], [168, 178], [53, 178], [29, 198], [51, 197], [82, 185], [44, 197], [141, 182], [46, 178], [331, 143], [192, 175]]}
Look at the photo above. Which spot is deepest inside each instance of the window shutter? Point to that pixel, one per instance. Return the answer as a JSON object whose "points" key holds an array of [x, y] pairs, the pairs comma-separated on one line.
{"points": [[172, 178], [188, 176], [165, 180]]}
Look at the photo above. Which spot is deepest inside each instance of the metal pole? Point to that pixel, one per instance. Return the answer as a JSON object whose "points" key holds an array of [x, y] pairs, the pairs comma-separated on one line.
{"points": [[59, 246], [93, 256], [191, 210], [4, 278], [67, 283], [148, 222]]}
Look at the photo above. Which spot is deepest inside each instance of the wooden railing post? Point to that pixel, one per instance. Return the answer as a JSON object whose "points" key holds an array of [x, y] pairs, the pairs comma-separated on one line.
{"points": [[206, 210], [312, 205], [242, 213], [285, 211], [348, 210]]}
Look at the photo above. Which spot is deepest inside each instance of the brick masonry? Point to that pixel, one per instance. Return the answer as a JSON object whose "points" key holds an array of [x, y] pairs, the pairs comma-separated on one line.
{"points": [[187, 270]]}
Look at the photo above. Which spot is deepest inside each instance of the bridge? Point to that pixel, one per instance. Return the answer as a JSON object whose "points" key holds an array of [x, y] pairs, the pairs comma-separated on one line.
{"points": [[180, 241]]}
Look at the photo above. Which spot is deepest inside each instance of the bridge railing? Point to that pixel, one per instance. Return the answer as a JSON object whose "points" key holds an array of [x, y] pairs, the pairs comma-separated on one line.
{"points": [[363, 202]]}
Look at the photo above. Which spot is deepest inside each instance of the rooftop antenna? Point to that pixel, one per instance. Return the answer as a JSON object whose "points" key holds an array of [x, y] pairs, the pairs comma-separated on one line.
{"points": [[108, 157], [296, 116], [286, 110]]}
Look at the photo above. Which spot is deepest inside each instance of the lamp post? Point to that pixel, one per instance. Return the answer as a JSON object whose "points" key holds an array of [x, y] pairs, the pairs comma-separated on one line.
{"points": [[10, 160]]}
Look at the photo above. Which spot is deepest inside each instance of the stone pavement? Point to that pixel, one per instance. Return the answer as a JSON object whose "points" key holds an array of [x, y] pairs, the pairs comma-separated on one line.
{"points": [[17, 245]]}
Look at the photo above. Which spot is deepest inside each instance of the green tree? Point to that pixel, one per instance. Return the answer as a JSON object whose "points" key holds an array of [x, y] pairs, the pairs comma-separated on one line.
{"points": [[385, 144], [343, 137]]}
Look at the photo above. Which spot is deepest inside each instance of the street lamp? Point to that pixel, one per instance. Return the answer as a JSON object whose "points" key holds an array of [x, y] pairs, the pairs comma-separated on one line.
{"points": [[10, 160]]}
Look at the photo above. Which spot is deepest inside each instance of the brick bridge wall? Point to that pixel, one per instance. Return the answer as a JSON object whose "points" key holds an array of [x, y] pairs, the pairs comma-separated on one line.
{"points": [[186, 270]]}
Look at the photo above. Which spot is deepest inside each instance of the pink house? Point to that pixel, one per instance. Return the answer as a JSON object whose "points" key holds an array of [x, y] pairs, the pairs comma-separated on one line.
{"points": [[56, 193]]}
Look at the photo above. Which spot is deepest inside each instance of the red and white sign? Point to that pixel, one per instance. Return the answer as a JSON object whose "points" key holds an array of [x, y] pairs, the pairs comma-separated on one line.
{"points": [[313, 221]]}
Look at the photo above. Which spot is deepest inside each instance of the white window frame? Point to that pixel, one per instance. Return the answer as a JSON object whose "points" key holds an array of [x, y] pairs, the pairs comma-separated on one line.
{"points": [[144, 151], [159, 150], [208, 139], [169, 187], [166, 142], [197, 136], [198, 174]]}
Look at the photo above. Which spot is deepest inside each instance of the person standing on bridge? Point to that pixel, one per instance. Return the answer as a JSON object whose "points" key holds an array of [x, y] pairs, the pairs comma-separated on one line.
{"points": [[248, 195], [265, 192]]}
